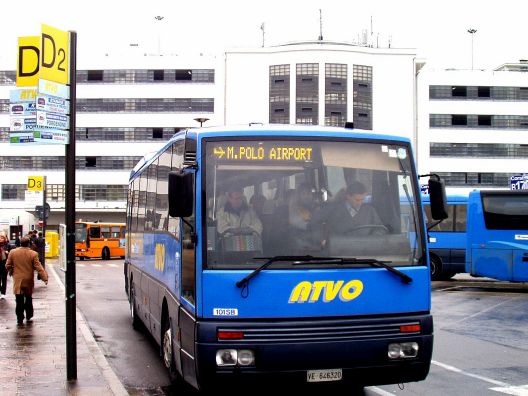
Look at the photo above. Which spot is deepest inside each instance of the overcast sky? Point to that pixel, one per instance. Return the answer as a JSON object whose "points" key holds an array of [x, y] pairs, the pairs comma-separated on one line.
{"points": [[436, 29]]}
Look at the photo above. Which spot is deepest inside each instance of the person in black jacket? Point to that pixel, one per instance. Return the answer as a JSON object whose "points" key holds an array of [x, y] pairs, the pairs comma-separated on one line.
{"points": [[353, 216]]}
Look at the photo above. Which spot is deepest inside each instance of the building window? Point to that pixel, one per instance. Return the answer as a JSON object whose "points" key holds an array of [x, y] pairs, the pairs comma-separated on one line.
{"points": [[307, 102], [91, 162], [478, 150], [458, 119], [475, 179], [157, 133], [159, 75], [146, 105], [484, 92], [95, 75], [459, 91], [184, 75], [362, 97], [484, 120], [14, 192], [335, 94], [279, 94]]}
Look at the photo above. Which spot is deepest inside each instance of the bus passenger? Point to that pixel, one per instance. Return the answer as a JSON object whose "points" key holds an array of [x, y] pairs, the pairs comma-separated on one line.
{"points": [[302, 213], [237, 217], [352, 216]]}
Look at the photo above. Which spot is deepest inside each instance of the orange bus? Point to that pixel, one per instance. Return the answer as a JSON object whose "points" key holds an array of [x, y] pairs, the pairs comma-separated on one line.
{"points": [[104, 240]]}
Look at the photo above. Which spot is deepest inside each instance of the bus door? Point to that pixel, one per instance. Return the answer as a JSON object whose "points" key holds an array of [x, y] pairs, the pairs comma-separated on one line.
{"points": [[187, 319]]}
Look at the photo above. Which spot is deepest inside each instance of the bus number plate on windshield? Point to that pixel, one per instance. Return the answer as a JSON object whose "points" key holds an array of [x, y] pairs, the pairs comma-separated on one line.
{"points": [[324, 375]]}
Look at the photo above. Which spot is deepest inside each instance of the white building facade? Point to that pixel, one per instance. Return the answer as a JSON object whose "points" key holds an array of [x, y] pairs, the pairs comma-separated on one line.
{"points": [[473, 126], [128, 107]]}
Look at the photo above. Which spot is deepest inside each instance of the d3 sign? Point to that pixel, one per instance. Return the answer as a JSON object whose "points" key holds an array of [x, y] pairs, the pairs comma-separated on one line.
{"points": [[35, 183], [54, 55]]}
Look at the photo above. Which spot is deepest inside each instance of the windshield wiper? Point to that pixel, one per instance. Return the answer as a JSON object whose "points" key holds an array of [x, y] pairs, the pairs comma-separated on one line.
{"points": [[323, 260], [372, 262], [274, 259]]}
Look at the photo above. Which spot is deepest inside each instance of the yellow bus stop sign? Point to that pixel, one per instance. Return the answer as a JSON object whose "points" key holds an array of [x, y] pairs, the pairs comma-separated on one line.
{"points": [[54, 55], [28, 61], [35, 183]]}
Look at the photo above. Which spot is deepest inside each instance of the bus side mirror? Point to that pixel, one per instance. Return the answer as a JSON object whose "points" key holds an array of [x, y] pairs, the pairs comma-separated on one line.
{"points": [[437, 197], [181, 196]]}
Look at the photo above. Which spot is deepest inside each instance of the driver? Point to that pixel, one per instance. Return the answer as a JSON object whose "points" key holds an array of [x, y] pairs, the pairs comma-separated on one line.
{"points": [[237, 217], [352, 216]]}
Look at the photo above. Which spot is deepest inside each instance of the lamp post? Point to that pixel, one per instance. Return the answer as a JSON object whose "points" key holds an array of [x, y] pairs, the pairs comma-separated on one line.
{"points": [[201, 120], [472, 32], [159, 18]]}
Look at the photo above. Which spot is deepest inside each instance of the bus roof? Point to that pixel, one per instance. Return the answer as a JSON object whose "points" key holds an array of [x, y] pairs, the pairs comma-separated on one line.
{"points": [[450, 198], [254, 129], [99, 223]]}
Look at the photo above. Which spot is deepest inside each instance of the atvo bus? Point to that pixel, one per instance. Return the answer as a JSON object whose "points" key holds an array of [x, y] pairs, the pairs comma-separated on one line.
{"points": [[497, 242], [447, 239], [247, 257], [99, 240]]}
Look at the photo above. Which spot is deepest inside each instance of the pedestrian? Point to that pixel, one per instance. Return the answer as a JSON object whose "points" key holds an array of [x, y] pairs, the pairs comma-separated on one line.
{"points": [[41, 249], [4, 244], [21, 264], [17, 240]]}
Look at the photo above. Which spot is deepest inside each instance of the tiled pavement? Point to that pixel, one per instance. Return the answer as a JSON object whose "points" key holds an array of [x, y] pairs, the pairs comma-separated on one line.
{"points": [[33, 355]]}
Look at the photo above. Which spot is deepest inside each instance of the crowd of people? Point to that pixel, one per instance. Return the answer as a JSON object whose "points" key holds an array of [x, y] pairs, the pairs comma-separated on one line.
{"points": [[345, 215], [20, 260]]}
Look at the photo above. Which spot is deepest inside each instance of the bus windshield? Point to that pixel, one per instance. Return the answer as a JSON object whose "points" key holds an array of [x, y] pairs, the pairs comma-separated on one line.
{"points": [[503, 211], [80, 232], [267, 198]]}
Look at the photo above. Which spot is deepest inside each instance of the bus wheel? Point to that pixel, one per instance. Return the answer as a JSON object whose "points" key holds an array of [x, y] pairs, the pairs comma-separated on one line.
{"points": [[136, 322], [105, 255], [166, 350], [436, 268]]}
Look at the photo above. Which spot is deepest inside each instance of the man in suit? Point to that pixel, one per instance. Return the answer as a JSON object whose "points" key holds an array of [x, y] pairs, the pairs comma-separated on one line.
{"points": [[21, 264], [353, 217]]}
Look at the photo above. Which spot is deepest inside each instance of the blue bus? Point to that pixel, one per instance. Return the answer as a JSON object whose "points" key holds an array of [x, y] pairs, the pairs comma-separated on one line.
{"points": [[236, 264], [447, 239], [497, 242]]}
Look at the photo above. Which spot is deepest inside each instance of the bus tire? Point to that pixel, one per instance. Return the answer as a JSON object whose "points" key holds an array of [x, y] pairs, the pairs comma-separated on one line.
{"points": [[136, 322], [105, 254], [436, 268], [167, 350]]}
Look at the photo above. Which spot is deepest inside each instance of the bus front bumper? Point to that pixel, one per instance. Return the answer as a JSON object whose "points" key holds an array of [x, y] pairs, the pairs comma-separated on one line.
{"points": [[361, 360]]}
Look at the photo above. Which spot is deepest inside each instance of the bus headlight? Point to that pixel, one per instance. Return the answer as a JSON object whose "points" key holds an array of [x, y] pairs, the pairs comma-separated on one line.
{"points": [[235, 357], [226, 357], [246, 357], [404, 350]]}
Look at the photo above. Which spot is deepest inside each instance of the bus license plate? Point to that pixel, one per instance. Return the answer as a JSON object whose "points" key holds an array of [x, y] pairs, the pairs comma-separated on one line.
{"points": [[324, 375]]}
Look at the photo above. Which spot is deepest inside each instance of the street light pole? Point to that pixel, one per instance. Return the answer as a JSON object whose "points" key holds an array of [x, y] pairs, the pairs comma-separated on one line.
{"points": [[472, 32], [201, 120], [159, 18]]}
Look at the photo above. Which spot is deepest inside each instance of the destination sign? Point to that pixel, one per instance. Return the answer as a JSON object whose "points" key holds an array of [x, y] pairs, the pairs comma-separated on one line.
{"points": [[258, 152]]}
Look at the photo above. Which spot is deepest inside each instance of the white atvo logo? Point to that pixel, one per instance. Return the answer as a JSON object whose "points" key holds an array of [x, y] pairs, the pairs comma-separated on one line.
{"points": [[519, 237]]}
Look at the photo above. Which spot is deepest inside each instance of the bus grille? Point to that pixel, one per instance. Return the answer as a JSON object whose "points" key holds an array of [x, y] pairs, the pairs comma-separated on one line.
{"points": [[322, 333]]}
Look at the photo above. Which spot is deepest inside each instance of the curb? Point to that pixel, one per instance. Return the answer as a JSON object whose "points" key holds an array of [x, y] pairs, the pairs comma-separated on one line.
{"points": [[109, 375]]}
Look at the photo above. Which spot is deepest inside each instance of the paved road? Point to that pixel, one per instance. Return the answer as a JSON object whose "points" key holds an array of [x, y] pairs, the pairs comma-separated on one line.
{"points": [[481, 336]]}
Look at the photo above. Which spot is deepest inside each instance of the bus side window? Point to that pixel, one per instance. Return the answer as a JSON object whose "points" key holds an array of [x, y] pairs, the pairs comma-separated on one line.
{"points": [[115, 232], [105, 232], [95, 232]]}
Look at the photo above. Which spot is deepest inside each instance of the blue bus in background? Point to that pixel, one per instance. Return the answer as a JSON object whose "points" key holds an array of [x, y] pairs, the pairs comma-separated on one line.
{"points": [[269, 298], [497, 242], [447, 239]]}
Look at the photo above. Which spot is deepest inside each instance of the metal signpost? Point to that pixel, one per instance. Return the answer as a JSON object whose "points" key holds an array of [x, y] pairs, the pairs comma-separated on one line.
{"points": [[42, 111]]}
